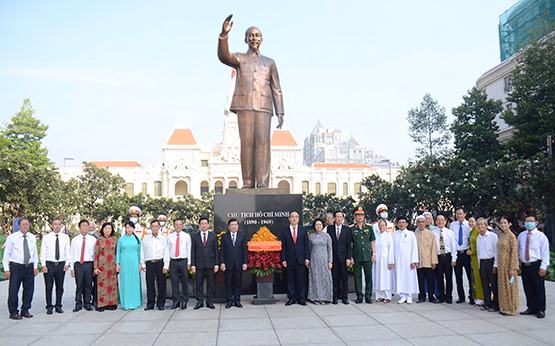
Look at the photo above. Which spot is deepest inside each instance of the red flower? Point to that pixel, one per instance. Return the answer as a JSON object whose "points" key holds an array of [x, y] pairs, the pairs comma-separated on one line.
{"points": [[101, 284]]}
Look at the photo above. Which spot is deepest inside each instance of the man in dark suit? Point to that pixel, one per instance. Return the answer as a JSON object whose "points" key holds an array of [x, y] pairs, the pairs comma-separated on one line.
{"points": [[341, 238], [295, 256], [233, 259], [204, 262]]}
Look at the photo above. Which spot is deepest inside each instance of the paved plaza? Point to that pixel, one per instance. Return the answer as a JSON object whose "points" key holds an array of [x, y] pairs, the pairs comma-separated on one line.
{"points": [[364, 324]]}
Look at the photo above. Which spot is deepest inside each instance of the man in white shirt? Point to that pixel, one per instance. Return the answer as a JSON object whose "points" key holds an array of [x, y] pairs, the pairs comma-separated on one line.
{"points": [[462, 238], [447, 259], [20, 267], [55, 258], [533, 253], [179, 248], [81, 265], [156, 261], [486, 249]]}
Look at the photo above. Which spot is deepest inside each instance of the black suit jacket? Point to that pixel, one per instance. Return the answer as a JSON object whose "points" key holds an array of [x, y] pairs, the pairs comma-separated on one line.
{"points": [[342, 249], [233, 256], [204, 256], [291, 252]]}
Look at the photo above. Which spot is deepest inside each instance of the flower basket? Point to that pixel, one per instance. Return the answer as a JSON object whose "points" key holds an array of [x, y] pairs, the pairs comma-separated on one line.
{"points": [[264, 259]]}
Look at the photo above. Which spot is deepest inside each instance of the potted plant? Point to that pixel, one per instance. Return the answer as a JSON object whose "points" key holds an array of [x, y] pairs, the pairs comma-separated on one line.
{"points": [[264, 259]]}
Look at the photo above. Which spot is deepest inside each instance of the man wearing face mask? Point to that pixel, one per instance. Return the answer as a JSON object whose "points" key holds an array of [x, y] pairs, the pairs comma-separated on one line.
{"points": [[162, 219], [533, 253], [134, 214], [381, 211]]}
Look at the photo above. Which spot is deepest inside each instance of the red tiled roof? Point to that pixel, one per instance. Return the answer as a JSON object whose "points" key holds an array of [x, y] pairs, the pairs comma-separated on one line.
{"points": [[182, 137], [283, 138], [125, 164]]}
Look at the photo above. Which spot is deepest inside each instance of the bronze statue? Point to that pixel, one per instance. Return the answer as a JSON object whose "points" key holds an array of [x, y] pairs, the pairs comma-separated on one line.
{"points": [[257, 93]]}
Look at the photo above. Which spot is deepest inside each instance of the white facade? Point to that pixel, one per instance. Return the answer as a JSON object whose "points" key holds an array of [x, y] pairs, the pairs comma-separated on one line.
{"points": [[189, 169]]}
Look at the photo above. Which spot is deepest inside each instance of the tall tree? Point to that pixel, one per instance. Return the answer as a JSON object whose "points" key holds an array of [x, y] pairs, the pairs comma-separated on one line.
{"points": [[428, 127], [475, 129], [533, 93]]}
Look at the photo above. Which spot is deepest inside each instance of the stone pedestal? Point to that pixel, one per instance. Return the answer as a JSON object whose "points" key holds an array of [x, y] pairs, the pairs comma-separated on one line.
{"points": [[264, 290]]}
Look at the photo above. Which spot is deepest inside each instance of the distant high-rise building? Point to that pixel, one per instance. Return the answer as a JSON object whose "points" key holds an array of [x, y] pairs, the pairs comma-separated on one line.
{"points": [[328, 145]]}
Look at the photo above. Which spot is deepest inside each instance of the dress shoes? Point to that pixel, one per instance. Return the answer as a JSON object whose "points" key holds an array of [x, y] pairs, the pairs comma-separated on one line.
{"points": [[228, 305], [238, 304], [334, 301], [88, 308], [59, 310], [368, 300], [420, 300], [15, 316], [345, 301], [541, 314], [210, 305], [161, 308], [26, 314], [460, 301], [359, 300], [183, 305], [198, 306], [149, 308], [527, 312], [290, 302], [49, 311], [471, 302], [302, 302], [77, 308], [175, 305]]}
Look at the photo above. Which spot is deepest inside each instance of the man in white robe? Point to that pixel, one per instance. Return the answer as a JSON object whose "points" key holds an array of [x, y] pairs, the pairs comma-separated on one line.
{"points": [[405, 280], [383, 267]]}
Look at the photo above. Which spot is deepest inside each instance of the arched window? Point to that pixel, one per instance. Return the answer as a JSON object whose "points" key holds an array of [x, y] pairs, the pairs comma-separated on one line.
{"points": [[283, 186], [232, 184], [306, 186], [181, 188], [219, 187], [204, 187], [157, 188], [357, 188], [144, 187], [129, 189], [332, 188], [345, 189], [318, 188]]}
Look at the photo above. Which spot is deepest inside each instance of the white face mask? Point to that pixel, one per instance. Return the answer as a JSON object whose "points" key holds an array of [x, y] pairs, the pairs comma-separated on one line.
{"points": [[134, 219], [162, 223], [384, 215]]}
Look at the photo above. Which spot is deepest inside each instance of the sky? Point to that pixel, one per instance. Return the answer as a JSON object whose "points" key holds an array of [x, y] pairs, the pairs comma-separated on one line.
{"points": [[112, 79]]}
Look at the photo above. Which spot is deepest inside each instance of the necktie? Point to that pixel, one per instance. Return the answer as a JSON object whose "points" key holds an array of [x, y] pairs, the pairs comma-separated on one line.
{"points": [[83, 251], [177, 245], [527, 250], [460, 234], [204, 238], [57, 250], [338, 232], [26, 252], [294, 234], [441, 243], [233, 238]]}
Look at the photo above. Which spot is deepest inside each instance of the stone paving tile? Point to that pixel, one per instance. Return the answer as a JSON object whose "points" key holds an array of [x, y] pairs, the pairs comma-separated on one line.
{"points": [[247, 338], [418, 329], [466, 327], [245, 324], [18, 340], [389, 342], [190, 314], [505, 339], [398, 317], [76, 328], [451, 340], [183, 326], [131, 327], [302, 322], [189, 338], [370, 333], [356, 319], [306, 336], [27, 328], [546, 335], [445, 315], [133, 339], [67, 340]]}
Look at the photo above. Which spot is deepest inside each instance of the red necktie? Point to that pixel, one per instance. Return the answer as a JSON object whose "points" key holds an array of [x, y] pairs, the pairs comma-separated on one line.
{"points": [[204, 238], [83, 251], [177, 245], [294, 234]]}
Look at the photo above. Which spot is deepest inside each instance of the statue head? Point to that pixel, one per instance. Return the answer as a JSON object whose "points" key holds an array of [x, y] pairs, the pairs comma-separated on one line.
{"points": [[253, 37]]}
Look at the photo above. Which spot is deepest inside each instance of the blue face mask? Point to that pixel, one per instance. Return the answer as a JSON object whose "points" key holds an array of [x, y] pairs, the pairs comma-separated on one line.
{"points": [[530, 225]]}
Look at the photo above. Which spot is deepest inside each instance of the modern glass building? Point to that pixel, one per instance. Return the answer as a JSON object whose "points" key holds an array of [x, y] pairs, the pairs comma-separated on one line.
{"points": [[523, 23]]}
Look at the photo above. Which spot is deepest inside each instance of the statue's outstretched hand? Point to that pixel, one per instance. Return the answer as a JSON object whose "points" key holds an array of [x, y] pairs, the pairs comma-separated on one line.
{"points": [[226, 26], [280, 121]]}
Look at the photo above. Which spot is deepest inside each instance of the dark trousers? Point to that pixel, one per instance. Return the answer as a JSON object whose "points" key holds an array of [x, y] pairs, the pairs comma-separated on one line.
{"points": [[83, 283], [202, 274], [233, 278], [463, 261], [425, 276], [254, 132], [340, 280], [179, 274], [296, 282], [54, 276], [534, 287], [367, 268], [155, 273], [489, 283], [21, 274], [444, 276]]}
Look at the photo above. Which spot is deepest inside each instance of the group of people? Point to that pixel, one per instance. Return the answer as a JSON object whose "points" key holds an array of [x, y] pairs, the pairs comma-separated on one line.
{"points": [[107, 269]]}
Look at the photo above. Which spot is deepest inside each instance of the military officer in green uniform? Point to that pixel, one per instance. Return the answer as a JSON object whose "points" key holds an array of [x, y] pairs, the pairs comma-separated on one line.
{"points": [[364, 253]]}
